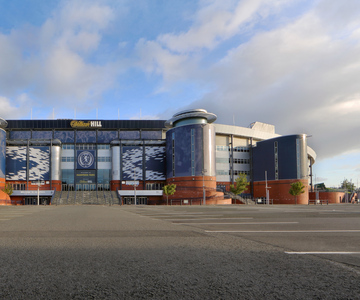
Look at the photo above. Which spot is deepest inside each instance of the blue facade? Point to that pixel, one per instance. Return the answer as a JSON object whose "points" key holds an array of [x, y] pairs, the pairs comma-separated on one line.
{"points": [[105, 137], [282, 158], [2, 153], [39, 163], [42, 135], [67, 137], [132, 163], [85, 136], [155, 163], [20, 135], [184, 144], [16, 163]]}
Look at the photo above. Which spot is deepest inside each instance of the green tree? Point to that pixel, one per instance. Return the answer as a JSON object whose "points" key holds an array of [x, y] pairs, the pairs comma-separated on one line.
{"points": [[297, 188], [169, 189], [241, 184], [347, 185], [8, 189]]}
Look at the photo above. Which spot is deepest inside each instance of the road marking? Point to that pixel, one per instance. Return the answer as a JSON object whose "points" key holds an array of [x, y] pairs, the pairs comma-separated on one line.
{"points": [[239, 223], [157, 216], [279, 231], [324, 253], [4, 219], [208, 219]]}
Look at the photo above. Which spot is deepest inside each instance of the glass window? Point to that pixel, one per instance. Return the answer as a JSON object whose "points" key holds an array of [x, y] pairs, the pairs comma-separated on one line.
{"points": [[85, 146], [103, 176], [103, 147], [67, 146], [67, 176]]}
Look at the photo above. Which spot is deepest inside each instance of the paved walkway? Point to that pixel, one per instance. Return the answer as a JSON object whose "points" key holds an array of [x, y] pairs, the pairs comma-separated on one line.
{"points": [[199, 252]]}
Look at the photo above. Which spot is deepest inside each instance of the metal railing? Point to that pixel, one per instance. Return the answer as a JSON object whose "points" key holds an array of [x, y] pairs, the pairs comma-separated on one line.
{"points": [[321, 202]]}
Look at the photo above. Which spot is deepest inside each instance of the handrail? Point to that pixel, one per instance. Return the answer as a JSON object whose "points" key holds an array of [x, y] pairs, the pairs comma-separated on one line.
{"points": [[318, 201]]}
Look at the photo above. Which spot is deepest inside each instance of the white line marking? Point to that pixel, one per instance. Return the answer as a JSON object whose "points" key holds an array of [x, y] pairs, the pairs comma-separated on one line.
{"points": [[325, 253], [185, 215], [279, 231], [5, 219], [206, 219], [239, 223]]}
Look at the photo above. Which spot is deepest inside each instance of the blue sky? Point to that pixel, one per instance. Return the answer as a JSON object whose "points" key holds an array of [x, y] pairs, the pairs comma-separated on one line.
{"points": [[294, 64]]}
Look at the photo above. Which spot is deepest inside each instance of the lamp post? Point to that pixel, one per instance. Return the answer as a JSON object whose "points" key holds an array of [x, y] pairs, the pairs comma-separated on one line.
{"points": [[134, 188], [204, 194], [38, 192]]}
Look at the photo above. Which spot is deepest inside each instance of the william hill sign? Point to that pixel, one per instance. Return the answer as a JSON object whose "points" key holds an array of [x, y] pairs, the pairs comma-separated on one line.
{"points": [[87, 124]]}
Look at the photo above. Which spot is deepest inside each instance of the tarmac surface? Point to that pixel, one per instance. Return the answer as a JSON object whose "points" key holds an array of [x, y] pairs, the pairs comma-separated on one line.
{"points": [[180, 252]]}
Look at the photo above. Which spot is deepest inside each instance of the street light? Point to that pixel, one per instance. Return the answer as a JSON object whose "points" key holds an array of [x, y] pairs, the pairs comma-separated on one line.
{"points": [[134, 187], [204, 196]]}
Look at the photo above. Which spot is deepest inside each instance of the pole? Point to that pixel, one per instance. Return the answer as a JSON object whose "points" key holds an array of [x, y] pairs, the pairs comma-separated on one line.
{"points": [[267, 189], [38, 194], [134, 187], [204, 194]]}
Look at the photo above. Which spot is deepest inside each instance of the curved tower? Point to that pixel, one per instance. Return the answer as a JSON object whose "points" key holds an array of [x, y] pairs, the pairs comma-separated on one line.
{"points": [[190, 154], [3, 124]]}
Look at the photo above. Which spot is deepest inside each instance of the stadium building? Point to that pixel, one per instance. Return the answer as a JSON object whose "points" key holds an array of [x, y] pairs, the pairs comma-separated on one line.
{"points": [[118, 161]]}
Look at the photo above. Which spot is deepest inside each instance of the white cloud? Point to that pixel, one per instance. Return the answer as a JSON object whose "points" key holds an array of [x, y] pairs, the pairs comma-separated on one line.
{"points": [[155, 59], [11, 111], [301, 76], [217, 21], [52, 62]]}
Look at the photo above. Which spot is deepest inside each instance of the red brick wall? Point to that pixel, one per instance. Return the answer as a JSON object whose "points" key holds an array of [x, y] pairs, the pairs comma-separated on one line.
{"points": [[332, 197], [191, 188], [279, 191], [2, 183]]}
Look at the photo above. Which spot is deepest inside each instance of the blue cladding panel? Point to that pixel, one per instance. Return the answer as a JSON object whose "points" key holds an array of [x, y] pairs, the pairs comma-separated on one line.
{"points": [[39, 163], [129, 135], [20, 135], [2, 153], [16, 163], [155, 163], [65, 136], [132, 161], [85, 136], [42, 135], [151, 135], [264, 158], [183, 151], [107, 136]]}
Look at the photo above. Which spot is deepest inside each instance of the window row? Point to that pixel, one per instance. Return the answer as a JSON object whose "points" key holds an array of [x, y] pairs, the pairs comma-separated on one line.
{"points": [[228, 172], [85, 146], [235, 149], [99, 159], [221, 160], [18, 186], [154, 186]]}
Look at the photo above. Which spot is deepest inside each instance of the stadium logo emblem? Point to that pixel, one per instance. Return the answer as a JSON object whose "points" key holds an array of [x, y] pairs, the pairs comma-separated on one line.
{"points": [[85, 159]]}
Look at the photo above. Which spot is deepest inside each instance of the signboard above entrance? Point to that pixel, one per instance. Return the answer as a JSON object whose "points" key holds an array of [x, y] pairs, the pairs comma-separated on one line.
{"points": [[85, 124]]}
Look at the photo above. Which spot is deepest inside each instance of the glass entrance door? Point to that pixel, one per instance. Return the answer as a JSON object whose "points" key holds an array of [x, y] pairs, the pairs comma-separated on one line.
{"points": [[139, 200]]}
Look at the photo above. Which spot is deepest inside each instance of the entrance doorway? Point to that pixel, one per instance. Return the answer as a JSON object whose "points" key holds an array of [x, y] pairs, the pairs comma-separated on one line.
{"points": [[139, 200], [33, 201]]}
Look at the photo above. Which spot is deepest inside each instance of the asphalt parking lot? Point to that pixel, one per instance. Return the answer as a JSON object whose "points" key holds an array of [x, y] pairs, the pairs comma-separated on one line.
{"points": [[180, 252]]}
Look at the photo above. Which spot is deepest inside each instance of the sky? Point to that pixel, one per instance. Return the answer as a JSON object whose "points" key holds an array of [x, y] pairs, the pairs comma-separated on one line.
{"points": [[294, 64]]}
